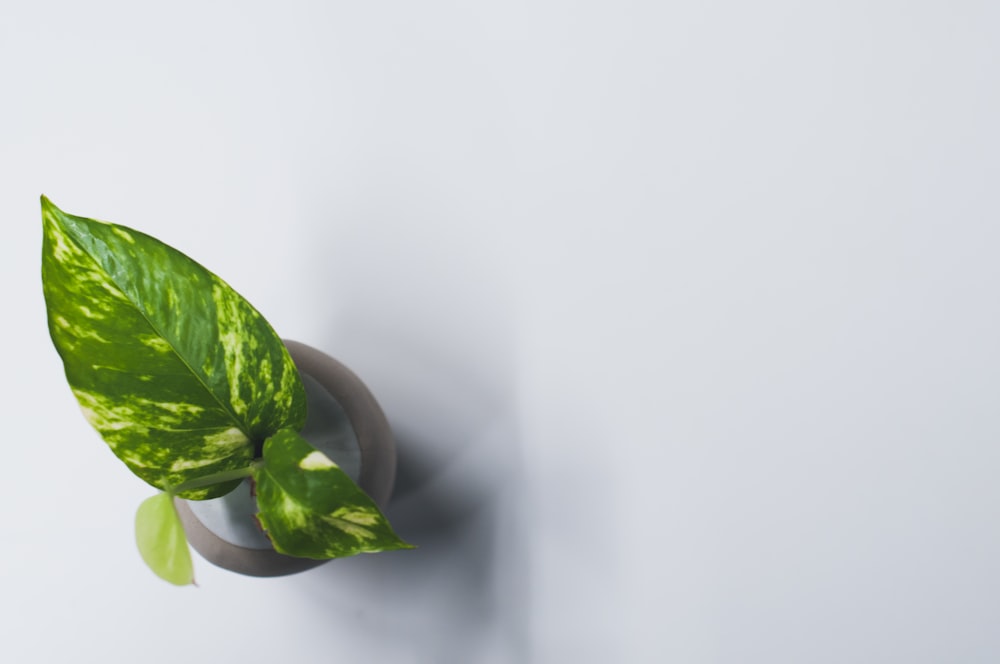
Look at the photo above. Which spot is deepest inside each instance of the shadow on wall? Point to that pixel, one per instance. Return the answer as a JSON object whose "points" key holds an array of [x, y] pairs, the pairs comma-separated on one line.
{"points": [[427, 327]]}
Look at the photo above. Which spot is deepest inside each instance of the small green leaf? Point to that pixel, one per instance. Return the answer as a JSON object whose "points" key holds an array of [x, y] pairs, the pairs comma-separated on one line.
{"points": [[311, 508], [161, 540], [178, 373]]}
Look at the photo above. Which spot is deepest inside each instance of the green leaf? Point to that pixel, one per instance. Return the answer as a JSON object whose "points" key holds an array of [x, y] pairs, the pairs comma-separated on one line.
{"points": [[311, 508], [179, 374], [160, 536]]}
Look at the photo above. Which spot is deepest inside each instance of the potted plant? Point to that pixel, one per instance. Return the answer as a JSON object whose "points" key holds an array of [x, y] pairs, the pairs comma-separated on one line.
{"points": [[194, 391]]}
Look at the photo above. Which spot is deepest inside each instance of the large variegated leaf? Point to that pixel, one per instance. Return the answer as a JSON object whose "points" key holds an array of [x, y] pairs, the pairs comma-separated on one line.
{"points": [[159, 535], [311, 508], [179, 374]]}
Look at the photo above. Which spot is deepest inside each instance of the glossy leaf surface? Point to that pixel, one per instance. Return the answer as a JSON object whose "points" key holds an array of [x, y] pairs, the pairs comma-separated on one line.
{"points": [[160, 537], [177, 371], [311, 508]]}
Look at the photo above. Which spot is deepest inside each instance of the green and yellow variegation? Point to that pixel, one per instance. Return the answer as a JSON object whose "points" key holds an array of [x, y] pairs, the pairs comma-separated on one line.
{"points": [[310, 508], [179, 374]]}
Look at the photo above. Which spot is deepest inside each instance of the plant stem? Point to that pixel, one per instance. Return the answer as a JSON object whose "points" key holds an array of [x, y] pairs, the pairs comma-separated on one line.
{"points": [[214, 478]]}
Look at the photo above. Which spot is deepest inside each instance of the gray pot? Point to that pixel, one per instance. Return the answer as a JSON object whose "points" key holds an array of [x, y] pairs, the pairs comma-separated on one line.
{"points": [[344, 422]]}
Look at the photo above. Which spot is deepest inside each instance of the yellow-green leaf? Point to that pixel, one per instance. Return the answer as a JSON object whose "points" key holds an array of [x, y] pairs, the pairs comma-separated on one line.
{"points": [[160, 537]]}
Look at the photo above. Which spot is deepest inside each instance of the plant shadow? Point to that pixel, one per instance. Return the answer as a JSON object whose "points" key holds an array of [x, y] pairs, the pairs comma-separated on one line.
{"points": [[437, 355]]}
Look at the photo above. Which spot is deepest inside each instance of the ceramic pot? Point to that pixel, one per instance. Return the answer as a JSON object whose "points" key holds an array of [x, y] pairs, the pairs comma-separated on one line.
{"points": [[344, 422]]}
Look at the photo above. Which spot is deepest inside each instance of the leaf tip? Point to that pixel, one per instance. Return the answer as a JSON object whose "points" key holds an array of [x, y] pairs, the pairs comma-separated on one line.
{"points": [[50, 212], [400, 545], [47, 205]]}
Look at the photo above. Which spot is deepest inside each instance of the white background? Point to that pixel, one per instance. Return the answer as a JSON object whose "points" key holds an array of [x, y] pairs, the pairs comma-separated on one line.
{"points": [[685, 314]]}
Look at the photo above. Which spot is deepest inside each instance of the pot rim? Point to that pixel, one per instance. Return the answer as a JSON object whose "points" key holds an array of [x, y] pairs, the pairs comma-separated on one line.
{"points": [[377, 474]]}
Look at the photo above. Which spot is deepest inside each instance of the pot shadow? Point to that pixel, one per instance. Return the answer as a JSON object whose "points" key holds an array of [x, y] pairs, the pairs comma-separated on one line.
{"points": [[438, 357]]}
